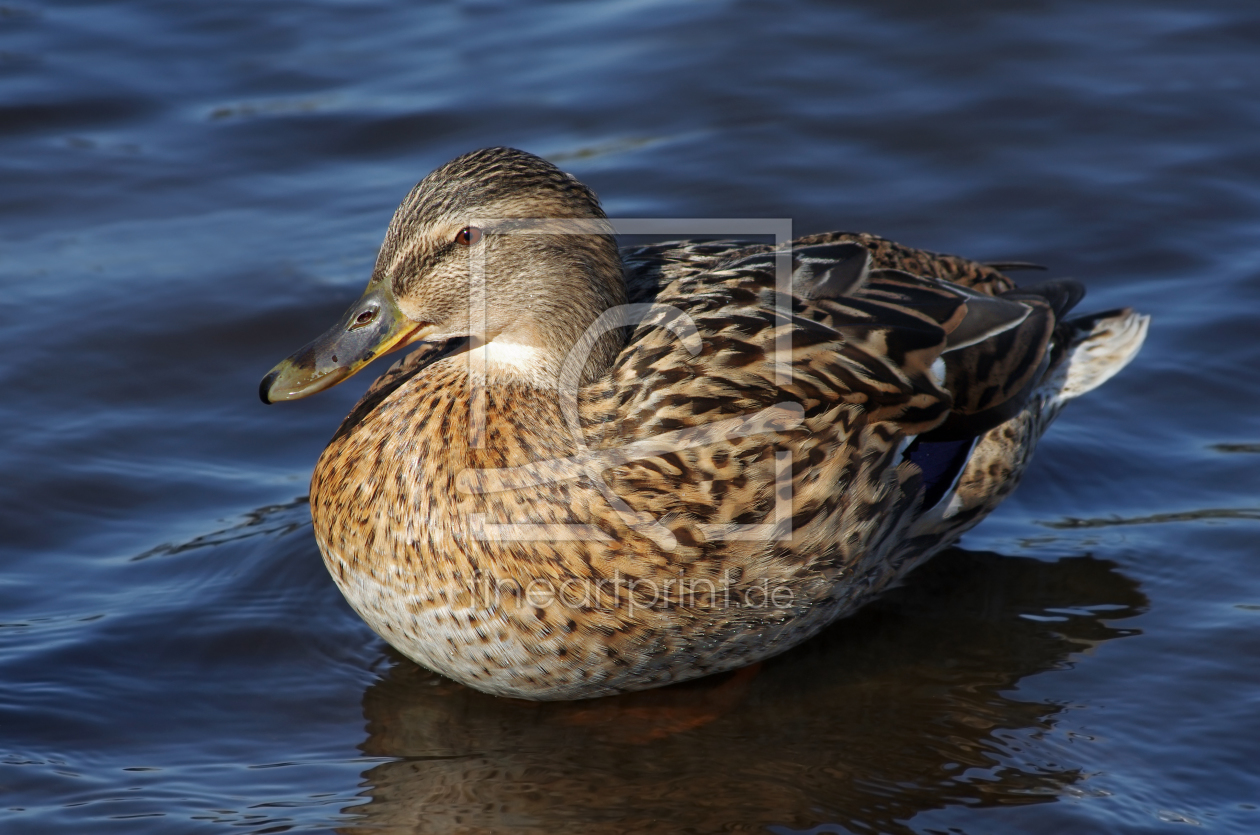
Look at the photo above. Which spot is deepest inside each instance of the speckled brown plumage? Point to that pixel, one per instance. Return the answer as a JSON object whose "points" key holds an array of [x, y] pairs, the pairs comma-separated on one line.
{"points": [[633, 567]]}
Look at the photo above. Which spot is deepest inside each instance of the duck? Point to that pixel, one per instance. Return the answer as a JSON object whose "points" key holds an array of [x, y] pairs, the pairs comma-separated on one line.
{"points": [[602, 469]]}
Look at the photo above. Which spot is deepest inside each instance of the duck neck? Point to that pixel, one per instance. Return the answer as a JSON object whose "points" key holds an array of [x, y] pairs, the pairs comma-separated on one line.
{"points": [[561, 338]]}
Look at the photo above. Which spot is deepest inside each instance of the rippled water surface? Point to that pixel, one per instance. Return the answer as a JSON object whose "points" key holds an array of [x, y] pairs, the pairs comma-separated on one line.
{"points": [[189, 191]]}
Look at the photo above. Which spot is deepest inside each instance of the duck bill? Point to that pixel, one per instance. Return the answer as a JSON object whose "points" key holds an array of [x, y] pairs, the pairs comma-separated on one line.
{"points": [[371, 328]]}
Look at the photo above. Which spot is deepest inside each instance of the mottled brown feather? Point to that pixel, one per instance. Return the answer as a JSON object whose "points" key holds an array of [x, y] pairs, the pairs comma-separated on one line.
{"points": [[395, 494]]}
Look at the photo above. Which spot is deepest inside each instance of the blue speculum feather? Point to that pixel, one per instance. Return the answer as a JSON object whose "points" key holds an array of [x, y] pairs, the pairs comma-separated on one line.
{"points": [[941, 462]]}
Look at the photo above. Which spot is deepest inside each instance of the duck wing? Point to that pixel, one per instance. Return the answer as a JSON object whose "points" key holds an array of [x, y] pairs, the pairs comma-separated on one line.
{"points": [[880, 343], [648, 269]]}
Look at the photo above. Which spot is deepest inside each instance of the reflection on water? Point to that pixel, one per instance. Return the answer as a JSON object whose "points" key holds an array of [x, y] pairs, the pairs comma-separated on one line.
{"points": [[1206, 514], [269, 520], [907, 707]]}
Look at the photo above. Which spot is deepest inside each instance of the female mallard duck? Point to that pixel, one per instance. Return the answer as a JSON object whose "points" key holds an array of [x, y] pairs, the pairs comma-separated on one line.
{"points": [[541, 503]]}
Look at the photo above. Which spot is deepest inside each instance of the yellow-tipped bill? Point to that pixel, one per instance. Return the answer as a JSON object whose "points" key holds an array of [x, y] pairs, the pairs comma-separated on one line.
{"points": [[372, 327]]}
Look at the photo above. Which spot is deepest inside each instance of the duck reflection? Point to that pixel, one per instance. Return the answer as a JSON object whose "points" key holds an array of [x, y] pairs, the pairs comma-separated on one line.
{"points": [[907, 707]]}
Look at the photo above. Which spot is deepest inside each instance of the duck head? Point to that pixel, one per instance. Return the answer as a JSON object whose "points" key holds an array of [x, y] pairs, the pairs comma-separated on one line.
{"points": [[498, 248]]}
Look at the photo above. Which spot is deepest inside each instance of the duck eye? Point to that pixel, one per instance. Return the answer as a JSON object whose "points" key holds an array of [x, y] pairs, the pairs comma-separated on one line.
{"points": [[468, 236]]}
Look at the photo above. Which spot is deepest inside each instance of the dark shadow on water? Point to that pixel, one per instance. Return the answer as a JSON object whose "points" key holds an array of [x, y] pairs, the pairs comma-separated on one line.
{"points": [[908, 707], [1203, 515], [269, 520]]}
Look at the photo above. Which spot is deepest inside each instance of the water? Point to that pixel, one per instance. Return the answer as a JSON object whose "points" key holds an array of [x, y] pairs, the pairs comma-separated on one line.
{"points": [[191, 191]]}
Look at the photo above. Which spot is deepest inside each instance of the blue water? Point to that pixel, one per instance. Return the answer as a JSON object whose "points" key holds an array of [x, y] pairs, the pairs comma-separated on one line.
{"points": [[188, 192]]}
